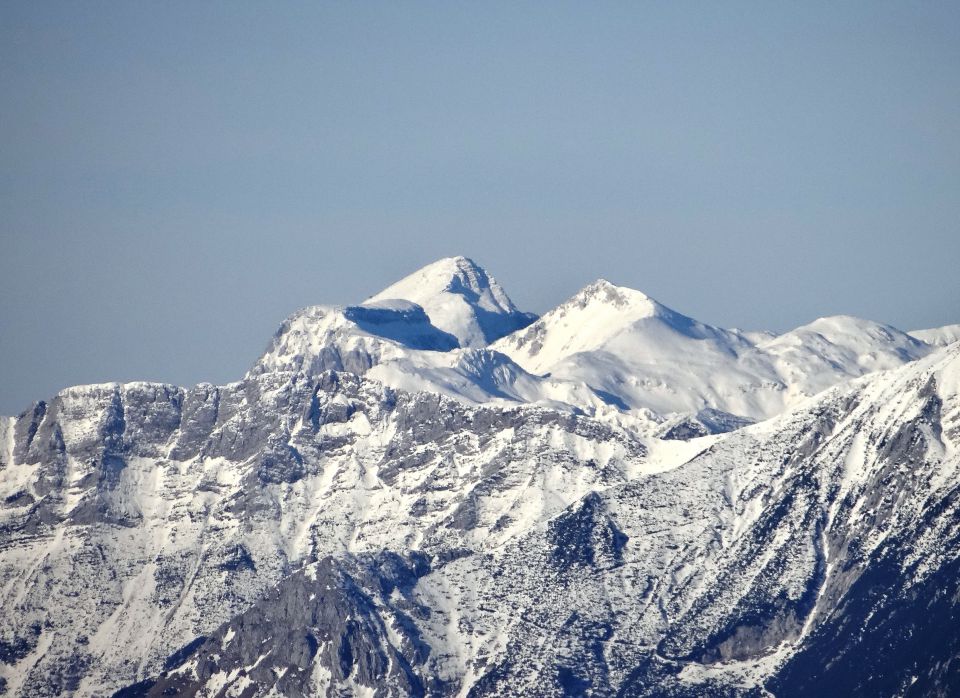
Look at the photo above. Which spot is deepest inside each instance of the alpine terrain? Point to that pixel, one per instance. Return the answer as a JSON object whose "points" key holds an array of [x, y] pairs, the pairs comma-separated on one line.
{"points": [[433, 493]]}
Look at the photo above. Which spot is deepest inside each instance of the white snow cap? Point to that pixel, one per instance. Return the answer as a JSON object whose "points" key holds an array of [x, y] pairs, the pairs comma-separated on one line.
{"points": [[588, 321], [636, 303], [461, 298], [938, 336]]}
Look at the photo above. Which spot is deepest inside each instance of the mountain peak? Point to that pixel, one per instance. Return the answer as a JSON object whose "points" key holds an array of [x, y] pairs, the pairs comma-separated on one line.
{"points": [[587, 321], [458, 275], [461, 298], [617, 296]]}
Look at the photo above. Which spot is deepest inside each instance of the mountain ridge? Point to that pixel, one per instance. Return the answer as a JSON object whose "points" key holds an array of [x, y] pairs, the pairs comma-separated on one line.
{"points": [[605, 347], [375, 509]]}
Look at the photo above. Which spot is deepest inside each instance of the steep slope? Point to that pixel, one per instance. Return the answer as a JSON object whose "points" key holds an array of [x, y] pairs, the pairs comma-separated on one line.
{"points": [[379, 509], [752, 563], [815, 554], [136, 518], [461, 298], [395, 343]]}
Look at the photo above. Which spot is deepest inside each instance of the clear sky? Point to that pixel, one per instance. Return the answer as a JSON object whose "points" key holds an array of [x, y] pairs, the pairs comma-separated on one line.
{"points": [[177, 177]]}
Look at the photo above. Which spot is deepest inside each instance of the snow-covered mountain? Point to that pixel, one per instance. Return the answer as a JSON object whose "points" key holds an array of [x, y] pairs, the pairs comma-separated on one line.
{"points": [[461, 298], [354, 338], [640, 354], [389, 504], [451, 329], [392, 335], [939, 336]]}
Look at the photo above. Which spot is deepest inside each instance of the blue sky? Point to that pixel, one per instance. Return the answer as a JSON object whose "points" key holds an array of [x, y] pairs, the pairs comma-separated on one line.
{"points": [[176, 178]]}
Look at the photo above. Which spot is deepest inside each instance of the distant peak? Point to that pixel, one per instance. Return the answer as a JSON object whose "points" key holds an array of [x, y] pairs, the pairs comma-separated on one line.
{"points": [[841, 319], [461, 298], [611, 294], [600, 284], [452, 265], [848, 323], [864, 336], [458, 275], [938, 336], [462, 262]]}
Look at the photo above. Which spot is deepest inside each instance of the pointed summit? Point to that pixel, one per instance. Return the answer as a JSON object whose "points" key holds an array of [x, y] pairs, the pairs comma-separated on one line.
{"points": [[461, 298]]}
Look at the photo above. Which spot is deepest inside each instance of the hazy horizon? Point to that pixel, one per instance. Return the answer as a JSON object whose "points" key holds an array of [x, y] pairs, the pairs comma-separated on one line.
{"points": [[176, 179]]}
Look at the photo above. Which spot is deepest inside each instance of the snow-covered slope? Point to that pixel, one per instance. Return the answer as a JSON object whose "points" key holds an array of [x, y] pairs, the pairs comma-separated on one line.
{"points": [[829, 350], [394, 341], [939, 336], [617, 320], [461, 298], [607, 348], [290, 537], [377, 510], [637, 353], [138, 517], [641, 354], [815, 554], [393, 337], [354, 338], [486, 377]]}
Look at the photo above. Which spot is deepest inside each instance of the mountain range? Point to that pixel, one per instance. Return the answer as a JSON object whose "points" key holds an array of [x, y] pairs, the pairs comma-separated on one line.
{"points": [[434, 493]]}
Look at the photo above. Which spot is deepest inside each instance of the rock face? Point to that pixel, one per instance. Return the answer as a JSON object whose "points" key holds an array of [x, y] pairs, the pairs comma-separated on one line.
{"points": [[311, 530], [138, 517]]}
